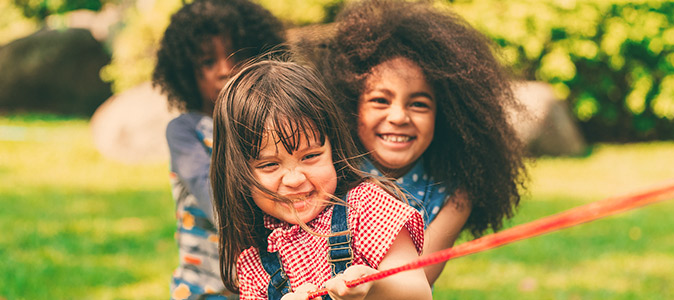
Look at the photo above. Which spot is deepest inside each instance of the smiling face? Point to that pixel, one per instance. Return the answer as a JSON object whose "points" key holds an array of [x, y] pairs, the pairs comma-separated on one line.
{"points": [[306, 176], [396, 115], [214, 68]]}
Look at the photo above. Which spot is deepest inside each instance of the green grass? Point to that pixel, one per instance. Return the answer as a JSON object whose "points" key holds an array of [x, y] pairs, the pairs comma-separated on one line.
{"points": [[78, 226]]}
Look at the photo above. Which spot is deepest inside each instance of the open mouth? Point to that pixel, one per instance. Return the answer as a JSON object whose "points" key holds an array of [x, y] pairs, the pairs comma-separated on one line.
{"points": [[300, 201], [395, 138]]}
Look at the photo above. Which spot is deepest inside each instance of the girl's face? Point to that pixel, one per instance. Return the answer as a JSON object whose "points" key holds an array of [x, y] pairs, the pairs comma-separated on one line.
{"points": [[214, 69], [306, 177], [396, 114]]}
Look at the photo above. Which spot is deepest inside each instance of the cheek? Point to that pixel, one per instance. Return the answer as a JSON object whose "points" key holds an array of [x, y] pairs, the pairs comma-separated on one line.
{"points": [[260, 200], [366, 126], [268, 181]]}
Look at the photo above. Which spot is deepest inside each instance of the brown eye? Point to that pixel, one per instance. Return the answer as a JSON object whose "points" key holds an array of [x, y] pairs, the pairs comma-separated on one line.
{"points": [[207, 63], [420, 104], [378, 100]]}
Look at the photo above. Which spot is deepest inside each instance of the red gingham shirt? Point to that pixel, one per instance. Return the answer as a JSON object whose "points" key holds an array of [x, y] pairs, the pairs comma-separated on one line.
{"points": [[375, 218]]}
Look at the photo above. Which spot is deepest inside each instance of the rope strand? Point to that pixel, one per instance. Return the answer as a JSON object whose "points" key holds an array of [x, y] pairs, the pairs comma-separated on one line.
{"points": [[571, 217]]}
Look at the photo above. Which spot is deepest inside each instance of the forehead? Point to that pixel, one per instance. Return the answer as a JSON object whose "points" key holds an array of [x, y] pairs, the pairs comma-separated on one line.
{"points": [[289, 135], [215, 45], [399, 68]]}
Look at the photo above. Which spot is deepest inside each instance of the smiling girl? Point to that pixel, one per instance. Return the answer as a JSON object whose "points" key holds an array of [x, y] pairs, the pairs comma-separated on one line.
{"points": [[427, 98], [293, 213]]}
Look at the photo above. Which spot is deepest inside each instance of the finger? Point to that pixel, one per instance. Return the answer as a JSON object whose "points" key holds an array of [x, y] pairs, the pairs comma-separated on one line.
{"points": [[357, 271], [306, 288], [336, 286], [295, 296]]}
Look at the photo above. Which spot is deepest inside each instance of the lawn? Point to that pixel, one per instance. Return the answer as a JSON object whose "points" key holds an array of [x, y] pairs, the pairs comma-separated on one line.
{"points": [[78, 226]]}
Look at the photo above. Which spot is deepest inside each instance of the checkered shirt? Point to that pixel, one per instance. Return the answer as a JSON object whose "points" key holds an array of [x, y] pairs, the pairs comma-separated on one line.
{"points": [[374, 217]]}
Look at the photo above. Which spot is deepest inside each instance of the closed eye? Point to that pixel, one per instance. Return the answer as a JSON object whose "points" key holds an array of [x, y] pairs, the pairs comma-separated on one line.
{"points": [[266, 166], [312, 155]]}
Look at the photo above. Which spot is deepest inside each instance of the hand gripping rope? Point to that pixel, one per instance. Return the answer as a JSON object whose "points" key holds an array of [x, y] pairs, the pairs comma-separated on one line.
{"points": [[571, 217]]}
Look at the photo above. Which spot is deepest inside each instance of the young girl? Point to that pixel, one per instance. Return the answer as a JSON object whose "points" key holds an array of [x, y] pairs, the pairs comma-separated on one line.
{"points": [[280, 160], [427, 99], [201, 45]]}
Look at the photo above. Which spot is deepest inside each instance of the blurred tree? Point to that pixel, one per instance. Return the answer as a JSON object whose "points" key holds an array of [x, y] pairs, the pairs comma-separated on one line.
{"points": [[13, 24], [41, 9], [612, 60]]}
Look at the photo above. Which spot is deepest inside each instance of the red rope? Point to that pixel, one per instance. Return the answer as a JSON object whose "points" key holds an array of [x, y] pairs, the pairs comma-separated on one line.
{"points": [[571, 217]]}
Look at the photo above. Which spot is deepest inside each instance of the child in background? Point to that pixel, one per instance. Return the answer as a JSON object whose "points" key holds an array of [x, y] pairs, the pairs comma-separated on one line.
{"points": [[202, 44], [280, 165], [427, 99]]}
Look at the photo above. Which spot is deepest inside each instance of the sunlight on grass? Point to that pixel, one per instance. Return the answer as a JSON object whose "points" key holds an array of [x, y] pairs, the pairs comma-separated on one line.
{"points": [[611, 170], [76, 225], [626, 256]]}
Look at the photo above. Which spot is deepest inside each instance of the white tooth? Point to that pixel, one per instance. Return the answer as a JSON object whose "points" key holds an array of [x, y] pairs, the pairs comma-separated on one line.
{"points": [[396, 138]]}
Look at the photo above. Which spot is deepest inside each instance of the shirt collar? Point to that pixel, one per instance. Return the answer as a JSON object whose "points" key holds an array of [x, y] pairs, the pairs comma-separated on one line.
{"points": [[283, 231]]}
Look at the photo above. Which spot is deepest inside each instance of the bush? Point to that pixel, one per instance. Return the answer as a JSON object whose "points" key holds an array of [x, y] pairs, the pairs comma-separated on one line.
{"points": [[612, 60]]}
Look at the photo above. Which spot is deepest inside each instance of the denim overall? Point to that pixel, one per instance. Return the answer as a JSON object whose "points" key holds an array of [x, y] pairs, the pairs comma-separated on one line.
{"points": [[340, 255]]}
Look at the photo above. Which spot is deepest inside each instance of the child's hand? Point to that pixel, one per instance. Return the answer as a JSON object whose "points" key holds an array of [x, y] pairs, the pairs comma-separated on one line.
{"points": [[337, 287], [301, 293]]}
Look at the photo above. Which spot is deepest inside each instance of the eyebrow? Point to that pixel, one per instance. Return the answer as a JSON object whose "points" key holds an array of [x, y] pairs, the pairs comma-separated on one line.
{"points": [[389, 93], [310, 148]]}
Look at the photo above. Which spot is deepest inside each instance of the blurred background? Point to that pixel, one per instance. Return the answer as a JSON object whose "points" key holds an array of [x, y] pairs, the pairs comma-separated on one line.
{"points": [[86, 206]]}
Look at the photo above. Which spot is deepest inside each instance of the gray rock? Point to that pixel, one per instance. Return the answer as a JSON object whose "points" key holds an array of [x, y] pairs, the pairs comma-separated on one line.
{"points": [[53, 71], [547, 125]]}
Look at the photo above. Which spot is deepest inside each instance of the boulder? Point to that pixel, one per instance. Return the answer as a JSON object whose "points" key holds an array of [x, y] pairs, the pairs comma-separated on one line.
{"points": [[546, 125], [130, 127], [54, 71]]}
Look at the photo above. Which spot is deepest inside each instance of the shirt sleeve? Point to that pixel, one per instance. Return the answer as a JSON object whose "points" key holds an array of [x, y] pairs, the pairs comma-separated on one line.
{"points": [[191, 162], [378, 217], [253, 279]]}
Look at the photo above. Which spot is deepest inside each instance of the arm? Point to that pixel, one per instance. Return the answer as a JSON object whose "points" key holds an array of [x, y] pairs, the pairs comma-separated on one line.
{"points": [[191, 162], [410, 284], [444, 230]]}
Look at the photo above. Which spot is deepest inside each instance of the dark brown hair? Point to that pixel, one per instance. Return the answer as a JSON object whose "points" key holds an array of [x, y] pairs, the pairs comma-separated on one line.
{"points": [[474, 146], [291, 98], [250, 29]]}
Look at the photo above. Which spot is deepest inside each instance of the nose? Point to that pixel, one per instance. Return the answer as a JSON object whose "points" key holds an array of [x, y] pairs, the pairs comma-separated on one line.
{"points": [[293, 178], [397, 115], [223, 68]]}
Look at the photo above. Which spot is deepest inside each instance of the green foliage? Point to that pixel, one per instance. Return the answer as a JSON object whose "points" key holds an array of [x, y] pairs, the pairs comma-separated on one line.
{"points": [[135, 45], [613, 60], [78, 226], [40, 9], [13, 23]]}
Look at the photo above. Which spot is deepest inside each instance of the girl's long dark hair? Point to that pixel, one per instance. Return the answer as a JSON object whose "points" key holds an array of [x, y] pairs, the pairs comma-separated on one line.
{"points": [[292, 101], [474, 147]]}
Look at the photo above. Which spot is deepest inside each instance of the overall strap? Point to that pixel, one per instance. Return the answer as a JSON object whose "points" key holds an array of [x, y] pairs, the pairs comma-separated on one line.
{"points": [[340, 255], [278, 283]]}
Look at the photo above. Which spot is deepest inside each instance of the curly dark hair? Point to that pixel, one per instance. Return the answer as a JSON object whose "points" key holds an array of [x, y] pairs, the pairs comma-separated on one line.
{"points": [[474, 147], [251, 29]]}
